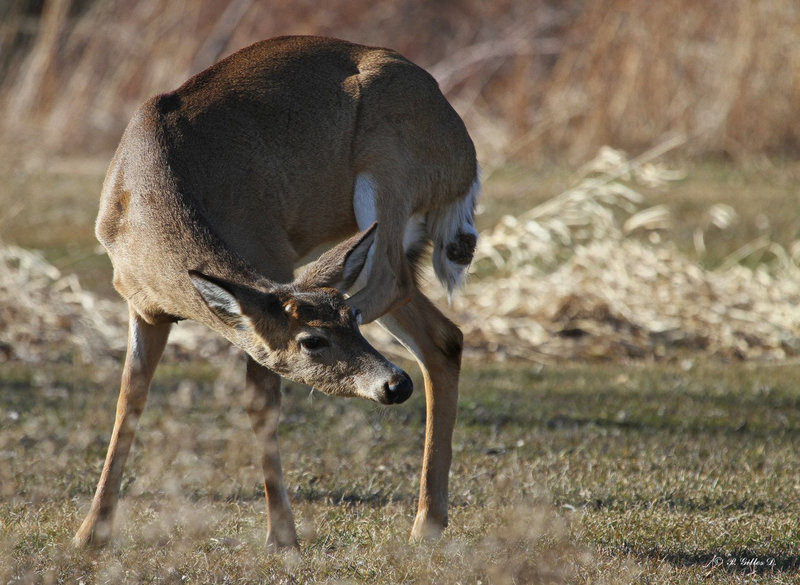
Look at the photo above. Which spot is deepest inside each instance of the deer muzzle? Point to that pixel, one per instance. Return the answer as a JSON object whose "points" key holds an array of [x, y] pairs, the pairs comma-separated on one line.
{"points": [[397, 389]]}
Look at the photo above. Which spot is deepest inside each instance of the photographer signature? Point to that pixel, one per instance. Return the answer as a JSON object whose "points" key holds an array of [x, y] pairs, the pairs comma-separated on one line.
{"points": [[742, 562]]}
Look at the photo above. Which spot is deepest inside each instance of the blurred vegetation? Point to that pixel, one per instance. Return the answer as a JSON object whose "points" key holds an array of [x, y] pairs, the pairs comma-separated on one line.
{"points": [[533, 79]]}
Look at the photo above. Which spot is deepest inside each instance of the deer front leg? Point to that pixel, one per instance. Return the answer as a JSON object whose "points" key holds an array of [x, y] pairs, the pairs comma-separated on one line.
{"points": [[436, 343], [264, 404], [390, 284], [145, 345]]}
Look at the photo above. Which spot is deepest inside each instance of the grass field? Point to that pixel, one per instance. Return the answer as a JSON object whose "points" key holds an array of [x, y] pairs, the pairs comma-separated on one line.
{"points": [[577, 473], [638, 472]]}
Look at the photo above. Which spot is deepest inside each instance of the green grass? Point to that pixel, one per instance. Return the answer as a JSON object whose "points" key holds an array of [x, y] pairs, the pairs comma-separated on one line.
{"points": [[588, 473]]}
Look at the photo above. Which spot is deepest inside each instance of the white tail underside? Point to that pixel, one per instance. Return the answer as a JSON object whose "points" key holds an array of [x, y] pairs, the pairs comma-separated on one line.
{"points": [[442, 226]]}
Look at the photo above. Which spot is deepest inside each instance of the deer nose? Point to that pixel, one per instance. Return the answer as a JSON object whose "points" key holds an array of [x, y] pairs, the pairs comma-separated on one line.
{"points": [[398, 390]]}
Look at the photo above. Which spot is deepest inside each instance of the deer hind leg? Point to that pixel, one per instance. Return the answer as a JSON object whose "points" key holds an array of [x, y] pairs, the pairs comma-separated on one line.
{"points": [[387, 280], [436, 343], [264, 404], [145, 345]]}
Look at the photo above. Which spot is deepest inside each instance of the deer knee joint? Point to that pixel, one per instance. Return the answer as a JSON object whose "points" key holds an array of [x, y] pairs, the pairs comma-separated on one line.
{"points": [[451, 344]]}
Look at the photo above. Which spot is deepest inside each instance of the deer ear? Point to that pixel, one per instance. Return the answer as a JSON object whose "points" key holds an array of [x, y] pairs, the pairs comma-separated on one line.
{"points": [[234, 304], [219, 298], [340, 266]]}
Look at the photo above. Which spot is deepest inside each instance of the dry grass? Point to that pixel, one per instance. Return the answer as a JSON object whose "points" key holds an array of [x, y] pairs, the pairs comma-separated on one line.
{"points": [[644, 476], [568, 474], [631, 72], [192, 508], [590, 273], [532, 79], [47, 317], [593, 273]]}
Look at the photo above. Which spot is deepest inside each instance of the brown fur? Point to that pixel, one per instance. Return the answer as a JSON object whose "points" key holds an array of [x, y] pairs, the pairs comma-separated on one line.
{"points": [[218, 188]]}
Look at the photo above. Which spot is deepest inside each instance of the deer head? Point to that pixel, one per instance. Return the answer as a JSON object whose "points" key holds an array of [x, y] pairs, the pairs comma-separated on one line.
{"points": [[305, 330]]}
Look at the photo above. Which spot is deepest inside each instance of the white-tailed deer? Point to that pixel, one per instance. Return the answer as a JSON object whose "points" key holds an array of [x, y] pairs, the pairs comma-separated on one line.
{"points": [[220, 187]]}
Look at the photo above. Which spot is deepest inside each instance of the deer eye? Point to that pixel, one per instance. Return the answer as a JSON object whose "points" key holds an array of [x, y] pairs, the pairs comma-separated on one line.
{"points": [[313, 343]]}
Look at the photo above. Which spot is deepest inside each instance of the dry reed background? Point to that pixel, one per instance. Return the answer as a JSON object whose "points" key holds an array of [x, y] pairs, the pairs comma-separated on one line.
{"points": [[587, 274], [583, 275], [534, 79], [576, 276]]}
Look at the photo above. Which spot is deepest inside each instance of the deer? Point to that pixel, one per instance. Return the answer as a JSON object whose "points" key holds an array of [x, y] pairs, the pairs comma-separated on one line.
{"points": [[220, 189]]}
